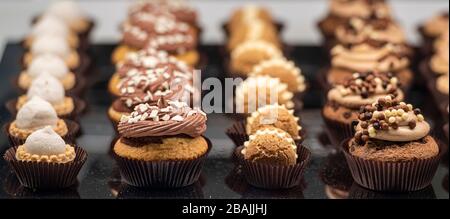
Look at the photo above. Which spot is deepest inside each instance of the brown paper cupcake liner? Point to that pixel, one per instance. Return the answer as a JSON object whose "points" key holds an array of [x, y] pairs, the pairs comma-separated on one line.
{"points": [[42, 175], [80, 107], [337, 131], [238, 134], [402, 176], [358, 192], [70, 138], [161, 174], [274, 176]]}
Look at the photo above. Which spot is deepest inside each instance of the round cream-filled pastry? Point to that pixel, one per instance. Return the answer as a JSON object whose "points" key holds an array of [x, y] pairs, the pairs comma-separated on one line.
{"points": [[51, 64]]}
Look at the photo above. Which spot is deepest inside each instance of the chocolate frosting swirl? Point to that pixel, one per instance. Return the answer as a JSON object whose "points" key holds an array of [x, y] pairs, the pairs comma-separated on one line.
{"points": [[170, 118], [151, 85], [366, 57], [151, 59], [179, 9]]}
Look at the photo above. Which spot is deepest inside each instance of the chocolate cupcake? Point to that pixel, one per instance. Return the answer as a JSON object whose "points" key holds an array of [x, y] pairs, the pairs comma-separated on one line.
{"points": [[143, 60], [392, 149], [181, 10], [150, 86], [259, 91], [36, 114], [45, 161], [50, 24], [345, 101], [161, 32], [272, 160], [340, 11], [432, 29], [375, 30], [50, 89], [366, 57], [162, 146], [51, 64]]}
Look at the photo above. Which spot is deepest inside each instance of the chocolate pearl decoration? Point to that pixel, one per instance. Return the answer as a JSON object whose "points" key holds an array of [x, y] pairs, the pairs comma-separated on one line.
{"points": [[412, 124]]}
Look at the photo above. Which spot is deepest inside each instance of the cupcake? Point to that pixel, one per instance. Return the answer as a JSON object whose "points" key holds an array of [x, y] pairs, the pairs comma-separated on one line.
{"points": [[46, 161], [47, 63], [51, 25], [340, 11], [36, 114], [180, 9], [272, 160], [52, 44], [259, 91], [161, 32], [162, 145], [434, 27], [439, 62], [147, 59], [346, 100], [250, 53], [366, 57], [150, 86], [73, 15], [378, 30], [442, 84], [283, 69], [392, 149], [51, 90]]}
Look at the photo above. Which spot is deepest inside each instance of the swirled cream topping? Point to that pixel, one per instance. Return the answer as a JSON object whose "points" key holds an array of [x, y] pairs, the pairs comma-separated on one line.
{"points": [[165, 119], [365, 88], [358, 30], [390, 120], [359, 8], [365, 57], [150, 85], [437, 25], [440, 60]]}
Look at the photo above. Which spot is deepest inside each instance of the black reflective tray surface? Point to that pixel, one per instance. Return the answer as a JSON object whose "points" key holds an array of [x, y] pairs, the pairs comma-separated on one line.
{"points": [[325, 177]]}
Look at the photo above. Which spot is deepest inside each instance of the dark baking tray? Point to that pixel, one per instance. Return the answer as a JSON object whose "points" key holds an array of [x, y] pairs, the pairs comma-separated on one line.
{"points": [[325, 177]]}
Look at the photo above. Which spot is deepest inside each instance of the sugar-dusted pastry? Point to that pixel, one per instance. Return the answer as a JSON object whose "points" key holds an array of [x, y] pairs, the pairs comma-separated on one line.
{"points": [[50, 89], [47, 64]]}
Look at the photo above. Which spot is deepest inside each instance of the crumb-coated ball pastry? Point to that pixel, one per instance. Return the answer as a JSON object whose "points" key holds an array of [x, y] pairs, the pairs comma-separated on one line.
{"points": [[147, 59], [52, 44], [51, 25], [366, 57], [271, 146], [389, 130], [50, 89], [283, 69], [33, 115], [72, 14], [259, 91], [250, 53], [47, 63], [45, 145], [274, 116], [342, 10], [168, 131], [150, 86]]}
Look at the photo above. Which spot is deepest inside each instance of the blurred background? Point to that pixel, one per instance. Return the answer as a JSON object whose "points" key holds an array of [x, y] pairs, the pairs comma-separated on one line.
{"points": [[299, 16]]}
